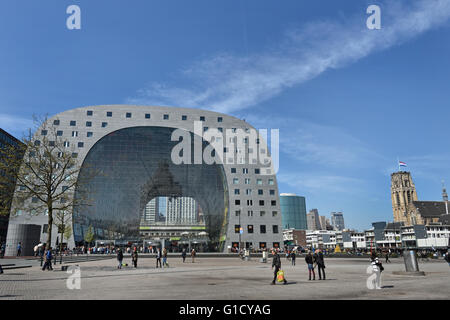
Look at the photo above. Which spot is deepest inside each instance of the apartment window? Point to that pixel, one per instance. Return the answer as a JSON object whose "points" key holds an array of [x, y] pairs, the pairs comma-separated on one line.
{"points": [[220, 129], [56, 122], [237, 228], [147, 116], [273, 202], [88, 124], [248, 192], [51, 143], [44, 132], [73, 123], [270, 182], [59, 133], [104, 124], [276, 244], [259, 181], [74, 133], [237, 213], [249, 202], [235, 181], [202, 118], [245, 170], [184, 117], [89, 113], [261, 202], [80, 144], [247, 181], [128, 115], [237, 202], [166, 117], [262, 228], [89, 134], [109, 114], [236, 191], [272, 192], [219, 119], [250, 228], [257, 171], [274, 213], [34, 200], [275, 228], [233, 170], [262, 213], [74, 155], [262, 245], [205, 128], [260, 192], [250, 213], [45, 228], [66, 144]]}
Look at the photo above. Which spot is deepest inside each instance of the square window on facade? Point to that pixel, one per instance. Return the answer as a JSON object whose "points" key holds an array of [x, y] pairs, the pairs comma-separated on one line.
{"points": [[236, 191], [88, 124], [235, 181], [166, 117], [249, 202], [237, 228], [270, 182], [245, 170], [109, 114], [262, 213], [44, 132], [262, 228], [273, 202], [89, 134], [147, 116], [259, 181], [183, 117], [51, 143], [104, 124], [74, 155], [248, 192], [233, 170], [237, 213], [202, 118], [37, 143], [66, 144], [128, 115], [272, 192], [260, 192], [274, 213], [80, 144], [220, 129], [73, 123], [257, 171], [89, 113], [261, 202], [56, 122], [275, 228], [276, 244], [219, 119], [74, 133], [250, 213], [237, 202], [247, 181], [250, 228]]}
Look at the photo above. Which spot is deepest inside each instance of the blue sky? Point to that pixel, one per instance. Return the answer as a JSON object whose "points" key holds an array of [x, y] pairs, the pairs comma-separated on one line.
{"points": [[347, 100]]}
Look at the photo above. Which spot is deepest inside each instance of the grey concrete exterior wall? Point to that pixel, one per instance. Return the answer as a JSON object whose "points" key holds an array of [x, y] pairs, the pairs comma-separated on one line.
{"points": [[120, 121], [27, 234]]}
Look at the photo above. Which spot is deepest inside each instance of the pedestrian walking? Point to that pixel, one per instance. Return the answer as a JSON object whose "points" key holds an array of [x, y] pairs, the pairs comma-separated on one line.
{"points": [[183, 254], [293, 257], [193, 255], [276, 262], [134, 257], [2, 250], [377, 268], [320, 264], [447, 258], [158, 258], [309, 259], [164, 257], [119, 258], [48, 260], [387, 256], [19, 249]]}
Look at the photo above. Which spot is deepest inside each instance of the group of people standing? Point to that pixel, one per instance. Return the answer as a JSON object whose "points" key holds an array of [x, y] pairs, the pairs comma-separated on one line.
{"points": [[160, 254]]}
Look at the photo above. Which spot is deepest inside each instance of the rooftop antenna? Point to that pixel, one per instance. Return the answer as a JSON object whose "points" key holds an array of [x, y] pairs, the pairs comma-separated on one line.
{"points": [[445, 197]]}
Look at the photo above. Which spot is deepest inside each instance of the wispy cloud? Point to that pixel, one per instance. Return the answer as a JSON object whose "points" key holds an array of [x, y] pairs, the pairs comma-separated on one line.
{"points": [[227, 83], [15, 125]]}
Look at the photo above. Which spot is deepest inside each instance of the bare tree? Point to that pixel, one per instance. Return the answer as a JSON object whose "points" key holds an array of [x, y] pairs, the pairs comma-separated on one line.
{"points": [[48, 176]]}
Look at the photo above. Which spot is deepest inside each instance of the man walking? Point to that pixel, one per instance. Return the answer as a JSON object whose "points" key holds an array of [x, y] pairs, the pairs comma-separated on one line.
{"points": [[193, 255], [48, 260], [320, 264], [158, 258], [276, 262], [2, 250], [387, 256], [293, 257], [310, 262], [19, 249], [447, 258], [134, 257], [377, 268], [119, 258], [183, 254]]}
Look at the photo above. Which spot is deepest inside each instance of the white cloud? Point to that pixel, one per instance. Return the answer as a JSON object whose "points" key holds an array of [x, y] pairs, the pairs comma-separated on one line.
{"points": [[15, 125], [227, 83]]}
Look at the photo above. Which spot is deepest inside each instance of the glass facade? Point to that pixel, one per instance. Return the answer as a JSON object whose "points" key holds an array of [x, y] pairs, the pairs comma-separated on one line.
{"points": [[133, 167], [293, 212]]}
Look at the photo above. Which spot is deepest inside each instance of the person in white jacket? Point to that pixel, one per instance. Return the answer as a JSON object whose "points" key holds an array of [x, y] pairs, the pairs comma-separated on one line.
{"points": [[377, 269]]}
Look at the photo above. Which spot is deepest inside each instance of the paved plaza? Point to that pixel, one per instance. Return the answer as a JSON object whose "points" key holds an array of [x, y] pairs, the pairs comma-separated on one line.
{"points": [[225, 278]]}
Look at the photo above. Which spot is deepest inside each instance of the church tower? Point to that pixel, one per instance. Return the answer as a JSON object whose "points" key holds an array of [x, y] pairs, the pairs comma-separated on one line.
{"points": [[403, 193]]}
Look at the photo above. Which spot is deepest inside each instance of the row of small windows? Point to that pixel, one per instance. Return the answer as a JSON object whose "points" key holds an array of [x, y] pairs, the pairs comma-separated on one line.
{"points": [[258, 181], [245, 170], [250, 228], [261, 202], [250, 191], [250, 213], [129, 115], [59, 133]]}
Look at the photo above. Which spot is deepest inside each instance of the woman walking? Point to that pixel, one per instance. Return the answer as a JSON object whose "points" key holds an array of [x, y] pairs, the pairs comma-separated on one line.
{"points": [[164, 256], [119, 258], [310, 262], [134, 257]]}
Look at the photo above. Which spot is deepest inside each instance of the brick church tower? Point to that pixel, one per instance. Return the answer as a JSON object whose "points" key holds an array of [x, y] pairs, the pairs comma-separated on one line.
{"points": [[403, 193]]}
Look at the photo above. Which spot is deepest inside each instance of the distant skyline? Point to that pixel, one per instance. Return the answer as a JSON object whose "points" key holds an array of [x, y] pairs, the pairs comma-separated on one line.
{"points": [[348, 101]]}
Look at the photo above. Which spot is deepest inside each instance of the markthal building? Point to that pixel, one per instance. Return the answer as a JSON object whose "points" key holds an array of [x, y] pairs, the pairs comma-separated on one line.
{"points": [[166, 176]]}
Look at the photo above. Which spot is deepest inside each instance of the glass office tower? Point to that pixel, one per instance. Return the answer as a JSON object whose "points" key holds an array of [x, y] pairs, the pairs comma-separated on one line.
{"points": [[293, 211]]}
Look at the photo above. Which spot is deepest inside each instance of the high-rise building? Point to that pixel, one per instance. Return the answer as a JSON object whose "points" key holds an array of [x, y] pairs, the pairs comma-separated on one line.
{"points": [[151, 211], [313, 220], [181, 210], [337, 221], [323, 222], [293, 211]]}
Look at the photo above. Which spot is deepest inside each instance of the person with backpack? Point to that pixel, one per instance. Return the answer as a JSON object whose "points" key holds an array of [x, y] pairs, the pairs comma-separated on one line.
{"points": [[158, 258], [276, 262], [48, 260], [377, 267], [119, 258], [309, 259], [134, 257]]}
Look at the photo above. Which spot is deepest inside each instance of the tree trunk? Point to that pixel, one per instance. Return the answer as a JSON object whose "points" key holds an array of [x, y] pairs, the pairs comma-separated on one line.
{"points": [[50, 224]]}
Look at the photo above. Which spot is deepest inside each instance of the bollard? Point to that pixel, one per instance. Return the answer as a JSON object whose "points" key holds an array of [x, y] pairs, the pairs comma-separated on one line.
{"points": [[410, 259]]}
